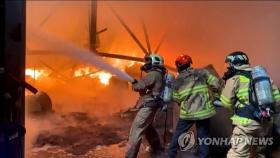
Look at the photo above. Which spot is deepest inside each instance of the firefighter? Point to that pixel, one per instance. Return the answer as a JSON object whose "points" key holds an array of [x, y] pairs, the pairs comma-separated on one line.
{"points": [[247, 120], [192, 91], [149, 88]]}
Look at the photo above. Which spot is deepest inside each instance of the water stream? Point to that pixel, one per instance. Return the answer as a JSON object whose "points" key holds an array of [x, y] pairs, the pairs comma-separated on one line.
{"points": [[56, 44]]}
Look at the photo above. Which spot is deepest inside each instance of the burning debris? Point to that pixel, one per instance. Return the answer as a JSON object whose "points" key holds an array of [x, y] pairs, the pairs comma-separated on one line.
{"points": [[35, 73], [85, 135], [80, 135], [104, 77]]}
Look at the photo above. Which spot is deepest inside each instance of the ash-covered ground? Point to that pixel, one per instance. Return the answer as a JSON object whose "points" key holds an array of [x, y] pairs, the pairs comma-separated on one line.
{"points": [[79, 135], [82, 135]]}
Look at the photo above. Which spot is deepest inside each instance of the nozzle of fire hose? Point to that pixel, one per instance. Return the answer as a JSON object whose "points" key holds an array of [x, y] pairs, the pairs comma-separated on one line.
{"points": [[134, 81]]}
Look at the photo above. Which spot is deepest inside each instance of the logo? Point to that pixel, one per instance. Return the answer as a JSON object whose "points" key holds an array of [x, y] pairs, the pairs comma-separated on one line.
{"points": [[186, 141]]}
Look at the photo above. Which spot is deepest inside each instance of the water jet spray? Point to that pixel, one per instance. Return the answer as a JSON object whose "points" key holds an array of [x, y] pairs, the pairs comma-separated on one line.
{"points": [[67, 48]]}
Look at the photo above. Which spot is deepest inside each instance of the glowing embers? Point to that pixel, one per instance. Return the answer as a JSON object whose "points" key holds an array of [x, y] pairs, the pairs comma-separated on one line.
{"points": [[36, 73], [104, 77]]}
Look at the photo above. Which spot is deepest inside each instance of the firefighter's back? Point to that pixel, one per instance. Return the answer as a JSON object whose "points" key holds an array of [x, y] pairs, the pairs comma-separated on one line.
{"points": [[191, 87]]}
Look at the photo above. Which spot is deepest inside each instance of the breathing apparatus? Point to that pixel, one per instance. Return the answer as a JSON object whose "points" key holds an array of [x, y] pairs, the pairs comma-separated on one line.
{"points": [[260, 87]]}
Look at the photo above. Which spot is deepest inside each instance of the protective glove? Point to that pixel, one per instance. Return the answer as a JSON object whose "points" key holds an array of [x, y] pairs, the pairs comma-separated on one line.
{"points": [[164, 108], [217, 103], [134, 81]]}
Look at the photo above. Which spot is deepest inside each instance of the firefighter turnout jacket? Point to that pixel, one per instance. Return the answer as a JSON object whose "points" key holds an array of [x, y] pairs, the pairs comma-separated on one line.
{"points": [[194, 90], [236, 93], [149, 88]]}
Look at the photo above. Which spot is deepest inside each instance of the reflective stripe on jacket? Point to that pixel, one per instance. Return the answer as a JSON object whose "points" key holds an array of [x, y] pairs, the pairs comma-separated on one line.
{"points": [[193, 91], [236, 90]]}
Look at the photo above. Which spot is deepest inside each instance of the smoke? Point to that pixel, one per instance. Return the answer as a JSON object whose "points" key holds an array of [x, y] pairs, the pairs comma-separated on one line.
{"points": [[34, 127], [208, 31], [83, 109], [87, 95], [55, 44]]}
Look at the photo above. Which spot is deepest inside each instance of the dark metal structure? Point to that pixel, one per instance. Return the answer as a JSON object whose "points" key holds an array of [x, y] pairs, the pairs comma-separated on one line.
{"points": [[12, 66], [94, 38], [92, 25]]}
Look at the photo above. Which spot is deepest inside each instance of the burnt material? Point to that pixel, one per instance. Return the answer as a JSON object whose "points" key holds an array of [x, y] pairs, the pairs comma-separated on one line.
{"points": [[85, 133], [12, 60]]}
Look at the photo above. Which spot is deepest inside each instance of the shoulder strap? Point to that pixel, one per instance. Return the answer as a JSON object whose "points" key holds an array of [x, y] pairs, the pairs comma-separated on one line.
{"points": [[244, 73], [252, 94]]}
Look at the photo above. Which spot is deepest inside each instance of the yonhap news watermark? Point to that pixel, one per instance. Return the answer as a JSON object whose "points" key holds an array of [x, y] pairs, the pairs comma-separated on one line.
{"points": [[257, 141], [187, 141]]}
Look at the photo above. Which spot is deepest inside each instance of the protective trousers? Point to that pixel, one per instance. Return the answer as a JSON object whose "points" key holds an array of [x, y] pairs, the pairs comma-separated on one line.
{"points": [[250, 139], [142, 125], [182, 127]]}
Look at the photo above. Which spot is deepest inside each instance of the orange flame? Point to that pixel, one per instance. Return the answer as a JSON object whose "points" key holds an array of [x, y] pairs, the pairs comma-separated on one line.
{"points": [[82, 71], [35, 73], [104, 77]]}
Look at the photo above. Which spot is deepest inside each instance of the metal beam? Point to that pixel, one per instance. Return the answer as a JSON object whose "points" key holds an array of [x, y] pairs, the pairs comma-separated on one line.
{"points": [[159, 45], [130, 32], [92, 25], [101, 31], [103, 54], [147, 38], [45, 20], [55, 71], [117, 56]]}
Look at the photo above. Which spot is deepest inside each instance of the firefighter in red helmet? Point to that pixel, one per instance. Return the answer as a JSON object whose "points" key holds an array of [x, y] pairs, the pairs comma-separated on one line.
{"points": [[192, 90], [183, 62]]}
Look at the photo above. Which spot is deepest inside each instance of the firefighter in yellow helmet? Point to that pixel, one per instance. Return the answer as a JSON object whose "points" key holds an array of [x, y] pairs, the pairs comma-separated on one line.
{"points": [[149, 88], [251, 121], [192, 90]]}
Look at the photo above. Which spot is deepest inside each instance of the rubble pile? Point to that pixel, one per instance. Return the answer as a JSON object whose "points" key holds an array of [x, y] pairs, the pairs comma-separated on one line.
{"points": [[78, 135]]}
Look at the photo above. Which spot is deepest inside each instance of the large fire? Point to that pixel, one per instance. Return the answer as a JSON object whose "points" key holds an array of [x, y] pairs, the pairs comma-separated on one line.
{"points": [[104, 77], [83, 71], [36, 73]]}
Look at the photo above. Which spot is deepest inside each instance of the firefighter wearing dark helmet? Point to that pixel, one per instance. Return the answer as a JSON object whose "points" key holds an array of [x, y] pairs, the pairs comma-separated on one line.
{"points": [[238, 95], [192, 90], [149, 88]]}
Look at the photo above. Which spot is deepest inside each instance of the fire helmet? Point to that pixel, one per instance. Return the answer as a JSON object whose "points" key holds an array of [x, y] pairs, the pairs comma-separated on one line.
{"points": [[234, 60], [237, 58], [154, 59], [151, 61], [183, 62]]}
